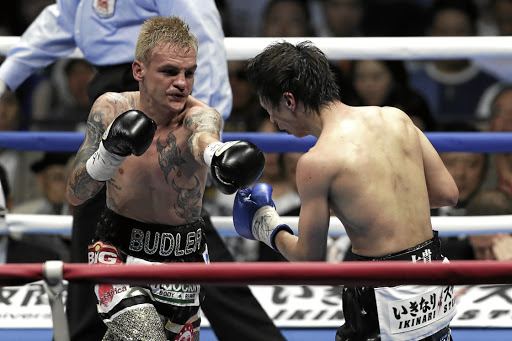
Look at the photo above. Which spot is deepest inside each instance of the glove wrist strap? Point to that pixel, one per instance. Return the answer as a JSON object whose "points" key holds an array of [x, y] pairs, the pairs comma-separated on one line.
{"points": [[102, 165], [215, 149], [266, 223], [209, 152]]}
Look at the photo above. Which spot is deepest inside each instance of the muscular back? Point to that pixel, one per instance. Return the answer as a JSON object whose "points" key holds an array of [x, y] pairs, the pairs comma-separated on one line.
{"points": [[377, 186]]}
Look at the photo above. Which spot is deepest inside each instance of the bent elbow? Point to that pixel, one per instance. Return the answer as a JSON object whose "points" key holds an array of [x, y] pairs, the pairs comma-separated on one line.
{"points": [[452, 197], [72, 199], [449, 197]]}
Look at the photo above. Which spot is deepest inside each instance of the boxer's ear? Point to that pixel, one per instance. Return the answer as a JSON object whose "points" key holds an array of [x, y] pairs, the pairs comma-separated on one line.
{"points": [[138, 70], [289, 100]]}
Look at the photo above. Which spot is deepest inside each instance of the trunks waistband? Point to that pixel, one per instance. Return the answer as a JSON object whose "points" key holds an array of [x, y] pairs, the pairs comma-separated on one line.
{"points": [[155, 242], [426, 252]]}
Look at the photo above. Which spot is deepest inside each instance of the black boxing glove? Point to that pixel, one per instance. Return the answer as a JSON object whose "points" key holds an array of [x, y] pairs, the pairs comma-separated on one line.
{"points": [[234, 165], [130, 133]]}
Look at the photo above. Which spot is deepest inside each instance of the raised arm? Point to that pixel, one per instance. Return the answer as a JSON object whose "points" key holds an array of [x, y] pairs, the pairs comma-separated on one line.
{"points": [[80, 184], [206, 125], [49, 37], [110, 138], [442, 189], [234, 164]]}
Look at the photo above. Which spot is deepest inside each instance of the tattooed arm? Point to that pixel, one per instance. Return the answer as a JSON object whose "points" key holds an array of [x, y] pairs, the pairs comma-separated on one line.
{"points": [[80, 184], [234, 164], [206, 125]]}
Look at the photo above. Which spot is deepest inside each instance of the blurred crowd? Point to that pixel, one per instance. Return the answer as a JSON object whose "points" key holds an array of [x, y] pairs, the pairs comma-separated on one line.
{"points": [[463, 95]]}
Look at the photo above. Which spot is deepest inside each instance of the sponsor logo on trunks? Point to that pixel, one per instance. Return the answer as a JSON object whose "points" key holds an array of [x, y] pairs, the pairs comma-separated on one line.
{"points": [[419, 311], [101, 253], [186, 333], [179, 294], [165, 244], [106, 292], [426, 257]]}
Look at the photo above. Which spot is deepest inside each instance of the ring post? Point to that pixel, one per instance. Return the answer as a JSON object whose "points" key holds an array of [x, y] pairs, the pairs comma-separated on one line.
{"points": [[54, 287]]}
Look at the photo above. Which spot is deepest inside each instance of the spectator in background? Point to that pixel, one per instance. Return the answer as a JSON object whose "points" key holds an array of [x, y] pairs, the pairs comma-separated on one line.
{"points": [[20, 248], [51, 173], [497, 246], [386, 83], [493, 246], [467, 169], [61, 102], [452, 87], [246, 113], [502, 13], [287, 18], [499, 119], [342, 18]]}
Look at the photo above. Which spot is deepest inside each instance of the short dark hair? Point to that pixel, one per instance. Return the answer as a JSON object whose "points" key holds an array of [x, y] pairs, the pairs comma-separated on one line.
{"points": [[302, 69]]}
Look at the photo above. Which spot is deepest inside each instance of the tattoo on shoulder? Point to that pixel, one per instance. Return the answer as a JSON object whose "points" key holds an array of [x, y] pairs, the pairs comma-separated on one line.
{"points": [[169, 155], [208, 120], [187, 204]]}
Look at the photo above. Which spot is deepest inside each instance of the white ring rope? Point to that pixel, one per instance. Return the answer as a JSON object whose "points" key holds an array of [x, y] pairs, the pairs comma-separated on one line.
{"points": [[362, 47], [334, 48], [451, 225]]}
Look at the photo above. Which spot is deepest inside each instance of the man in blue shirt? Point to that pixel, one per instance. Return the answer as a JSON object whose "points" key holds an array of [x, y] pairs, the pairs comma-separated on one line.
{"points": [[105, 33]]}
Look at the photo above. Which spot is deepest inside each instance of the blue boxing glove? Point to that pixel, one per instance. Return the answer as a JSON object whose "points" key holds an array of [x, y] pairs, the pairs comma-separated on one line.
{"points": [[255, 216]]}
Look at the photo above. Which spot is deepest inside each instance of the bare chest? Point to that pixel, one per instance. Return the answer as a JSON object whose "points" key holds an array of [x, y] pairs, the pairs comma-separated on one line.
{"points": [[167, 160]]}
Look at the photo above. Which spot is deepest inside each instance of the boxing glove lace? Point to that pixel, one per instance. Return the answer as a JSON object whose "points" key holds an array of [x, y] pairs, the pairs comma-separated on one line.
{"points": [[130, 133]]}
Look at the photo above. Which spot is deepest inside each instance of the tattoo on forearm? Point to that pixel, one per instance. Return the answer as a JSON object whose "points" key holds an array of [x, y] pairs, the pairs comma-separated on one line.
{"points": [[188, 205], [95, 128], [83, 185], [169, 155]]}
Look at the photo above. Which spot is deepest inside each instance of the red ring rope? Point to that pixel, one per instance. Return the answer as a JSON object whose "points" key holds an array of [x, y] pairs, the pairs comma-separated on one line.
{"points": [[313, 273]]}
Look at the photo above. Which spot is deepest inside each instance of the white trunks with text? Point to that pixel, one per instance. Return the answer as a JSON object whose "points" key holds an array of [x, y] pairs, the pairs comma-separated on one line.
{"points": [[413, 312]]}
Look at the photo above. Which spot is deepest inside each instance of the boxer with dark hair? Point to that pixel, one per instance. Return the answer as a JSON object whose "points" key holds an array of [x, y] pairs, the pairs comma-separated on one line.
{"points": [[153, 149], [373, 169]]}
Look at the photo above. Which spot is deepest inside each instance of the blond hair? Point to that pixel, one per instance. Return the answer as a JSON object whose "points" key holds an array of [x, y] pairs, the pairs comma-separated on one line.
{"points": [[163, 30]]}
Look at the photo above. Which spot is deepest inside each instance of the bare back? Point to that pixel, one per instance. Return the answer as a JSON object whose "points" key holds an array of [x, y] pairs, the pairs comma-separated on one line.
{"points": [[378, 192]]}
